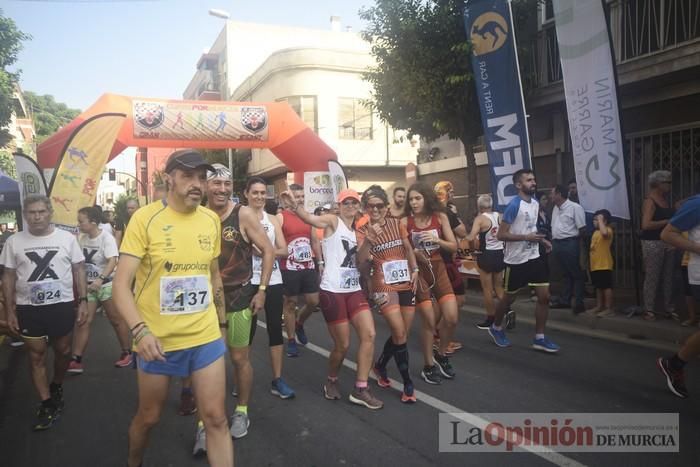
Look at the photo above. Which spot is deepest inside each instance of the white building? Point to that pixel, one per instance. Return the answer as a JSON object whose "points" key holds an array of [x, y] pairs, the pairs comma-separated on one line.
{"points": [[319, 72]]}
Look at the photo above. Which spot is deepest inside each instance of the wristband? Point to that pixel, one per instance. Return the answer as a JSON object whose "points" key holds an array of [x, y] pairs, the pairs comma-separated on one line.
{"points": [[142, 333], [137, 325], [102, 277], [262, 288], [321, 262], [82, 299], [223, 325], [416, 269]]}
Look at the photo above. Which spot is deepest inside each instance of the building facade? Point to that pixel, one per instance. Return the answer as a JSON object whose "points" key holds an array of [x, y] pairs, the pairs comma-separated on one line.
{"points": [[319, 73]]}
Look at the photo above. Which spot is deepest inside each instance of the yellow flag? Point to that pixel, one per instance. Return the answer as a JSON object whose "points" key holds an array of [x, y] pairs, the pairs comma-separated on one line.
{"points": [[75, 182]]}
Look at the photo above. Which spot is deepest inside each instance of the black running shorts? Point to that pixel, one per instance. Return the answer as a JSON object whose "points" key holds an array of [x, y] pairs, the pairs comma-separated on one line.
{"points": [[532, 273], [56, 320]]}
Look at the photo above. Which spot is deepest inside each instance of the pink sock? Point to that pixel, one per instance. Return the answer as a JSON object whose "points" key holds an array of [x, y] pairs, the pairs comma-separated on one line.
{"points": [[360, 384]]}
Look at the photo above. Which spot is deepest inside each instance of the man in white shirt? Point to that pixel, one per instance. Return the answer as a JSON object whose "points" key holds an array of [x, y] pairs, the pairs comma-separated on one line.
{"points": [[42, 266], [568, 226]]}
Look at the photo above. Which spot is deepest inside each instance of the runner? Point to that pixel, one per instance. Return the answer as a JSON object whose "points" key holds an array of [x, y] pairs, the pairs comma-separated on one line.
{"points": [[687, 219], [393, 281], [131, 206], [241, 234], [524, 265], [255, 193], [445, 195], [42, 266], [429, 231], [490, 259], [171, 248], [342, 299], [299, 272], [397, 209], [100, 251]]}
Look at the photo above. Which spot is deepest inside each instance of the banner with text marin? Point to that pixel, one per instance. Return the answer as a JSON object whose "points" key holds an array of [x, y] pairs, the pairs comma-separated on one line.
{"points": [[497, 78], [591, 100]]}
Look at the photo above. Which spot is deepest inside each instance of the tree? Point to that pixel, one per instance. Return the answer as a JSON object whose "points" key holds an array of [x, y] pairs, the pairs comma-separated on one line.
{"points": [[423, 80], [48, 114], [11, 40]]}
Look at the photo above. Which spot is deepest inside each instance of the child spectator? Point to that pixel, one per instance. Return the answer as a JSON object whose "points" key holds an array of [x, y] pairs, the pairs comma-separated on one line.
{"points": [[601, 262]]}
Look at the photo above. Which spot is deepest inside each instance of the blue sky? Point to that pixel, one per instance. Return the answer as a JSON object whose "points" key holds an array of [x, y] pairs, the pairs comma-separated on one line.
{"points": [[149, 48]]}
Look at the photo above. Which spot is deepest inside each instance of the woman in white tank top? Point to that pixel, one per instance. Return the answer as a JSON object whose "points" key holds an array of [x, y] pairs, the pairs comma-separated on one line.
{"points": [[490, 259], [342, 300], [256, 193]]}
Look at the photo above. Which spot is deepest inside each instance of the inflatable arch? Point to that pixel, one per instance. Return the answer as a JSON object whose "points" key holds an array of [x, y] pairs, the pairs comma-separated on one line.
{"points": [[80, 150]]}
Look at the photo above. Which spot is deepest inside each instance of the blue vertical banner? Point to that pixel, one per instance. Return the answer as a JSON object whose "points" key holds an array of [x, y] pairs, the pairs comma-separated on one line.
{"points": [[489, 27]]}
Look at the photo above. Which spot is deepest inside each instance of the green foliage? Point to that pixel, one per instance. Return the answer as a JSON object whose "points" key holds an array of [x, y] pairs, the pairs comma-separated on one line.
{"points": [[48, 114], [120, 208], [11, 40], [7, 163]]}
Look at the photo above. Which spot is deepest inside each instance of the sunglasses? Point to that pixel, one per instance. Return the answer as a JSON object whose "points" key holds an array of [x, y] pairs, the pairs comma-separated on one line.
{"points": [[377, 206]]}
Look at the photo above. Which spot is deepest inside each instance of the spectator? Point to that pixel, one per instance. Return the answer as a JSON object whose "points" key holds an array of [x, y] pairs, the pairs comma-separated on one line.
{"points": [[568, 225], [658, 256], [573, 190], [131, 205], [601, 262]]}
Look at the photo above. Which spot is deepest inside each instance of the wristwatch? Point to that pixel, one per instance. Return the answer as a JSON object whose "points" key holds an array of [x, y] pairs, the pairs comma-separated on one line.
{"points": [[262, 288], [82, 299], [224, 325], [102, 277]]}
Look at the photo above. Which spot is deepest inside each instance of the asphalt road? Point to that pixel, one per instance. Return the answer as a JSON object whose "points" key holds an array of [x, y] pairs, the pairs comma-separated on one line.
{"points": [[589, 375]]}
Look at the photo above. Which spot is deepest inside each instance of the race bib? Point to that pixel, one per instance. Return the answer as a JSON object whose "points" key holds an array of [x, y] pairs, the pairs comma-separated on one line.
{"points": [[184, 295], [93, 272], [396, 271], [257, 264], [45, 293], [349, 278], [430, 246], [301, 253]]}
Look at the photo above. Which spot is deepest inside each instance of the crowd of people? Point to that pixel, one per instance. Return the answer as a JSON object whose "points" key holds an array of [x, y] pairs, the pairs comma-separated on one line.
{"points": [[184, 279]]}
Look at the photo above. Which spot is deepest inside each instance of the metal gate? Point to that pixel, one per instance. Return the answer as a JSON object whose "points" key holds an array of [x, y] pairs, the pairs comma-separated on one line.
{"points": [[675, 149]]}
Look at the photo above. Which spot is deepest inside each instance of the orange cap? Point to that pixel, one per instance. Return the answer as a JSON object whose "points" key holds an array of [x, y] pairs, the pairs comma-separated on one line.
{"points": [[348, 193]]}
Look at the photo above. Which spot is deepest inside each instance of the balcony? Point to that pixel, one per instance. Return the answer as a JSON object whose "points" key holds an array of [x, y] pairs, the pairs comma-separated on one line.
{"points": [[640, 29]]}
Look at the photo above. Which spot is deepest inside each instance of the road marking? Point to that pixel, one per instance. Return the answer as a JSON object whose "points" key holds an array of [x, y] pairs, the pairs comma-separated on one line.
{"points": [[474, 420]]}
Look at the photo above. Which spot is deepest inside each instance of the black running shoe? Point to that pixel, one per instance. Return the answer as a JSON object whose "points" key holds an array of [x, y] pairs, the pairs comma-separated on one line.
{"points": [[431, 375], [444, 365], [484, 324], [674, 378], [510, 319], [45, 418]]}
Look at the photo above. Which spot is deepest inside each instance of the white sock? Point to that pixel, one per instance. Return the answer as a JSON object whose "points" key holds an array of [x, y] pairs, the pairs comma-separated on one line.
{"points": [[539, 336]]}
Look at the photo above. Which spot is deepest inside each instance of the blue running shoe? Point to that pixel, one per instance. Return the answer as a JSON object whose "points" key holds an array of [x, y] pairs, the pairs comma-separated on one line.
{"points": [[301, 335], [499, 337], [545, 345], [281, 389], [292, 350]]}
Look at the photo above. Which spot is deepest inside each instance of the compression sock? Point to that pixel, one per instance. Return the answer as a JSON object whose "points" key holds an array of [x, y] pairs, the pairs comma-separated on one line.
{"points": [[387, 353], [401, 357]]}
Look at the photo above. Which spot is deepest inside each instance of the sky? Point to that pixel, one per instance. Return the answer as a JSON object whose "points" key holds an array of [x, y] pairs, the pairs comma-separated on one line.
{"points": [[149, 48]]}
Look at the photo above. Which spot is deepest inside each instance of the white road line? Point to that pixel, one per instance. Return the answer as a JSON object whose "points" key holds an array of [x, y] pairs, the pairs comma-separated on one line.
{"points": [[474, 420]]}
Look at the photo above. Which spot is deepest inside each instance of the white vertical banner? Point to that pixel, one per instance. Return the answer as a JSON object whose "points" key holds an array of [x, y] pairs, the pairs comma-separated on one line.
{"points": [[339, 181], [591, 101]]}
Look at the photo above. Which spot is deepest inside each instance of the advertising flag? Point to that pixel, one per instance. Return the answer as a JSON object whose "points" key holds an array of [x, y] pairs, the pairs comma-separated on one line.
{"points": [[74, 183], [339, 180], [494, 60], [591, 102]]}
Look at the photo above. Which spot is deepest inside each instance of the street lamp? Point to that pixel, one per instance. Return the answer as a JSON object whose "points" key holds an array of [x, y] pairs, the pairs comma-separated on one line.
{"points": [[224, 15]]}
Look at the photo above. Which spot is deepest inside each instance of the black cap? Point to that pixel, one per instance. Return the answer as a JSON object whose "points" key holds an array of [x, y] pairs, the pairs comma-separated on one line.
{"points": [[187, 159]]}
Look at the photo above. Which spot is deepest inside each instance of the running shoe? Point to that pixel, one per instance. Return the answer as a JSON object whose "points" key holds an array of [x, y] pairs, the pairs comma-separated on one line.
{"points": [[57, 396], [674, 378], [45, 417], [431, 375], [200, 442], [407, 396], [75, 368], [234, 392], [364, 397], [239, 425], [485, 324], [124, 361], [382, 377], [605, 313], [444, 365], [301, 335], [280, 389], [14, 342], [510, 319], [292, 349], [499, 337], [187, 405], [331, 391], [545, 345]]}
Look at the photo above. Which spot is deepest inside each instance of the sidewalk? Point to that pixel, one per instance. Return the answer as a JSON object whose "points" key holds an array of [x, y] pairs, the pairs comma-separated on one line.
{"points": [[662, 334]]}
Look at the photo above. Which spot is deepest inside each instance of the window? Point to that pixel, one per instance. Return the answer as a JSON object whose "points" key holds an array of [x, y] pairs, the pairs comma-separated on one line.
{"points": [[306, 108], [354, 119]]}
